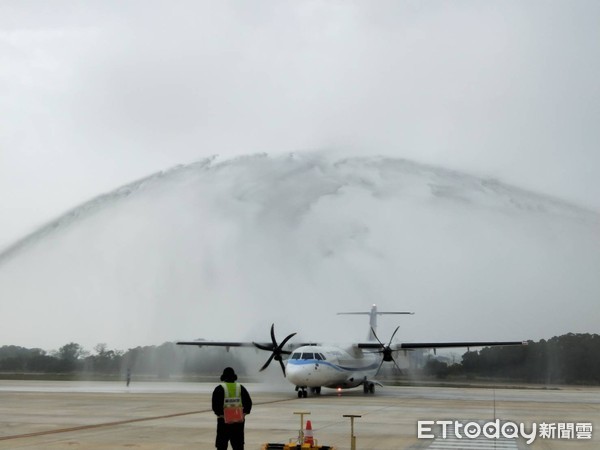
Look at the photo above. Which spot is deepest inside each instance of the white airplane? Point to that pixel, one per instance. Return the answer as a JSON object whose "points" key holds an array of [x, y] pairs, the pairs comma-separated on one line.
{"points": [[312, 366]]}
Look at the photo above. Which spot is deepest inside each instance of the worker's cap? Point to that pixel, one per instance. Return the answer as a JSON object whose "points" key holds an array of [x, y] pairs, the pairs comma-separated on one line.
{"points": [[228, 375]]}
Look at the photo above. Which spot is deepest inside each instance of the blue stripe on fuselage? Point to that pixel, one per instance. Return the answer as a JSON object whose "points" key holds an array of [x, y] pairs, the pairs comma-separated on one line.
{"points": [[303, 362]]}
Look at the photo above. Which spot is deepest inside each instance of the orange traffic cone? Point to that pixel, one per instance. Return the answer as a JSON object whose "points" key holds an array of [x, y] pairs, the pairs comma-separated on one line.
{"points": [[308, 434]]}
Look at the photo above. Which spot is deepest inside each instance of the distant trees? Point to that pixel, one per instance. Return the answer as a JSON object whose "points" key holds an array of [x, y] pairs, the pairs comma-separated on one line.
{"points": [[154, 361], [570, 359], [436, 368], [20, 359], [104, 361], [69, 357]]}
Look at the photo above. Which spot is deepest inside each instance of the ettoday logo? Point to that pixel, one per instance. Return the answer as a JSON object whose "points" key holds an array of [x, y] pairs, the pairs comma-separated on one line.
{"points": [[503, 430]]}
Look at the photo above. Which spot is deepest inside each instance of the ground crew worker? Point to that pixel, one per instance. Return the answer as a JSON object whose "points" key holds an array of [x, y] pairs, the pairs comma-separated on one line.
{"points": [[230, 394]]}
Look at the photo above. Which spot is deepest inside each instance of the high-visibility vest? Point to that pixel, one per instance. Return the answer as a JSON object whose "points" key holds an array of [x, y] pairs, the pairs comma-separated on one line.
{"points": [[232, 403], [233, 394]]}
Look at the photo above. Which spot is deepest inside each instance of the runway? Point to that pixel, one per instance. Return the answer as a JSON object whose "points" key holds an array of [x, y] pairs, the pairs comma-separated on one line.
{"points": [[80, 415]]}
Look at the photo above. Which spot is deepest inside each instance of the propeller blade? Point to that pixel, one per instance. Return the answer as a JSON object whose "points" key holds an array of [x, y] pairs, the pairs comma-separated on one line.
{"points": [[280, 347], [379, 368], [263, 347], [396, 364], [386, 350], [268, 362], [375, 334], [282, 367], [276, 349], [392, 338]]}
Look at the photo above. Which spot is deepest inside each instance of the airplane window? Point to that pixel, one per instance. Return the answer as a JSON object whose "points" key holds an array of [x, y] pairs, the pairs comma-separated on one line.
{"points": [[295, 355], [308, 356], [322, 356], [318, 356]]}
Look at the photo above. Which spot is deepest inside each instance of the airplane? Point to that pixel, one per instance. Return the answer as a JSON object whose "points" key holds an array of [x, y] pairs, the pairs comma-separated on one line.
{"points": [[313, 366]]}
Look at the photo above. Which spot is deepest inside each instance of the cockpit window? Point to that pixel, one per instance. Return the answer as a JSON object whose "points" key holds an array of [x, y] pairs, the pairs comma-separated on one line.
{"points": [[322, 356], [308, 356], [295, 355], [318, 356]]}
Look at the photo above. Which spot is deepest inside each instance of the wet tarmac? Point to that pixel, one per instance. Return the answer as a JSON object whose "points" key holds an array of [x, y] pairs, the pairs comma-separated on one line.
{"points": [[109, 415]]}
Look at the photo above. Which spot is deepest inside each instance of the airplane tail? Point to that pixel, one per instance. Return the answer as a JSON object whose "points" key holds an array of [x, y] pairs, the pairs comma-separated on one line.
{"points": [[373, 318]]}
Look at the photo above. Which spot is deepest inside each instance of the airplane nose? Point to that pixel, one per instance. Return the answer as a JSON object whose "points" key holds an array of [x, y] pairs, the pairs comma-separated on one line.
{"points": [[298, 374], [292, 370]]}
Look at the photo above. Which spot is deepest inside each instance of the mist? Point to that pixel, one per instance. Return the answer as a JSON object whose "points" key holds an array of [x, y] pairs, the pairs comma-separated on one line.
{"points": [[221, 249], [97, 94]]}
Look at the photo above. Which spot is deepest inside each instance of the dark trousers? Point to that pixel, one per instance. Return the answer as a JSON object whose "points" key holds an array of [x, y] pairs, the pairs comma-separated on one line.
{"points": [[232, 432]]}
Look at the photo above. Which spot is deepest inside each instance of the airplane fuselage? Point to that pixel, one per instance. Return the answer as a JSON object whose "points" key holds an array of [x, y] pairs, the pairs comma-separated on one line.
{"points": [[330, 366]]}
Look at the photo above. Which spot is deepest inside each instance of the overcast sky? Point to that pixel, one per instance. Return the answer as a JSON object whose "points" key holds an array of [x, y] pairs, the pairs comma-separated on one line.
{"points": [[96, 94]]}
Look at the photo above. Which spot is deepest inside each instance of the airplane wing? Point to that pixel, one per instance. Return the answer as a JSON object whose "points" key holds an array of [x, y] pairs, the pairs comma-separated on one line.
{"points": [[434, 345], [216, 344], [291, 346], [459, 344], [278, 350], [387, 351]]}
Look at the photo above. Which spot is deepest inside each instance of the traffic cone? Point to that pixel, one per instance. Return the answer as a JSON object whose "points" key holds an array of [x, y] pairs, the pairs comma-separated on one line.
{"points": [[308, 434]]}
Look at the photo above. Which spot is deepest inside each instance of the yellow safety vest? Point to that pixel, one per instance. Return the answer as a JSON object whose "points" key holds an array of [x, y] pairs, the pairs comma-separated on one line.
{"points": [[233, 394]]}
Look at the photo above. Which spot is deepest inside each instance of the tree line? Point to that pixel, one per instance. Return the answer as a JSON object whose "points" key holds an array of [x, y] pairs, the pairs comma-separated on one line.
{"points": [[569, 359], [163, 361]]}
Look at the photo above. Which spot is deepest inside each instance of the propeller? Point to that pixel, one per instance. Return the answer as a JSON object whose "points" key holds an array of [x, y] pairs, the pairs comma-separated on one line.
{"points": [[275, 349], [386, 350]]}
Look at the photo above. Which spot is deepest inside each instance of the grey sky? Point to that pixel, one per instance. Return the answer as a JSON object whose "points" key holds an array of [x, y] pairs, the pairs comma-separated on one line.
{"points": [[95, 94]]}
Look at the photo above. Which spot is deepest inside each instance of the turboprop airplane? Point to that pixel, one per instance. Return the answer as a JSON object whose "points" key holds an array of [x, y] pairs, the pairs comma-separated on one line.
{"points": [[312, 366]]}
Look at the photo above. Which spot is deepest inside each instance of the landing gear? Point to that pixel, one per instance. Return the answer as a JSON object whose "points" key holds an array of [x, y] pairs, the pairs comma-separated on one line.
{"points": [[301, 391], [368, 387], [315, 390]]}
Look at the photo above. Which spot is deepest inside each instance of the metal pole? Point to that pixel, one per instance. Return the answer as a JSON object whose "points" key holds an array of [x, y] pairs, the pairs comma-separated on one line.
{"points": [[352, 437]]}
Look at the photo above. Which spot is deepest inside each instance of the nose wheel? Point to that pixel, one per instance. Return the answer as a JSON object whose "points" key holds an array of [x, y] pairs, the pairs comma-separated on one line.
{"points": [[301, 391]]}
